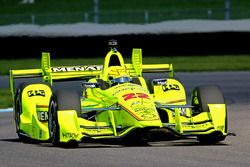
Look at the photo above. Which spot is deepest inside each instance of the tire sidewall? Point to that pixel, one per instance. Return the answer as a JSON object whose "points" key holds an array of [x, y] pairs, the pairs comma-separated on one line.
{"points": [[204, 95], [53, 122]]}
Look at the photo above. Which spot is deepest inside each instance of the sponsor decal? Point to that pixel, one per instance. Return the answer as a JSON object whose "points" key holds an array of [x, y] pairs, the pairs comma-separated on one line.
{"points": [[69, 135], [76, 68], [170, 87], [91, 84], [142, 113], [125, 87], [146, 113], [161, 82], [197, 126], [36, 93], [148, 116], [42, 116]]}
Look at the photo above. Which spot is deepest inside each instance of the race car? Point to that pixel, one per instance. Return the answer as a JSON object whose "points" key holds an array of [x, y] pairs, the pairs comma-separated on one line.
{"points": [[114, 101]]}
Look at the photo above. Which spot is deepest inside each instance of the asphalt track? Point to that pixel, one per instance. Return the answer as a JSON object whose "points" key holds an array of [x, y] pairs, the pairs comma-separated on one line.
{"points": [[234, 151]]}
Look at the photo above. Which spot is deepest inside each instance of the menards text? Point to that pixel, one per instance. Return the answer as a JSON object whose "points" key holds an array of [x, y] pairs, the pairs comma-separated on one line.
{"points": [[76, 68]]}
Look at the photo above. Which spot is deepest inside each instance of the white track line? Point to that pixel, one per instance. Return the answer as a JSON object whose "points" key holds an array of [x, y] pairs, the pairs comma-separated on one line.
{"points": [[6, 110]]}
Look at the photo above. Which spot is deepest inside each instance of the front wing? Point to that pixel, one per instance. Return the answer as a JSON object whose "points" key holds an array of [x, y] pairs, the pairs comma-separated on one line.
{"points": [[75, 128]]}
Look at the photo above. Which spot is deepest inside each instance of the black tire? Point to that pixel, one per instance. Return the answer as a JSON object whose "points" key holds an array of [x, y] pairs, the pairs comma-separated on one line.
{"points": [[18, 111], [211, 138], [62, 100], [201, 97]]}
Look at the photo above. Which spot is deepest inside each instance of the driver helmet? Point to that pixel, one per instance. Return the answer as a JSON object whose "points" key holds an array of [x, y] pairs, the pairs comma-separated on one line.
{"points": [[120, 80]]}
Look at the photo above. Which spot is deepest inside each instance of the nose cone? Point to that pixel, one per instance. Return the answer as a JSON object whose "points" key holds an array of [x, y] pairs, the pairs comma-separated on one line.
{"points": [[136, 101]]}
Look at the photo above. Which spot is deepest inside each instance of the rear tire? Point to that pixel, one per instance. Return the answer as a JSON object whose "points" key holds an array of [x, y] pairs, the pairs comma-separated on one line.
{"points": [[201, 97], [62, 100]]}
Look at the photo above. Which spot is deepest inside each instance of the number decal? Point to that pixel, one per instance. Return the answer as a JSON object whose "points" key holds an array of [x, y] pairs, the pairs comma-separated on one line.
{"points": [[135, 95], [129, 96], [142, 95]]}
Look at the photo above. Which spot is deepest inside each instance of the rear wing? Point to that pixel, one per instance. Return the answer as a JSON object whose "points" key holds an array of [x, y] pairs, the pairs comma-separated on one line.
{"points": [[49, 74], [137, 68]]}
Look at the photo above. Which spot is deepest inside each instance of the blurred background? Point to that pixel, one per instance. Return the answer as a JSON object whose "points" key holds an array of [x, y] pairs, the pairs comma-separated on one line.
{"points": [[194, 35], [81, 28], [44, 12]]}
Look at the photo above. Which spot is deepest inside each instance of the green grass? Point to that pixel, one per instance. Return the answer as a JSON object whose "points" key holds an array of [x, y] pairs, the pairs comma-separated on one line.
{"points": [[5, 101], [181, 63]]}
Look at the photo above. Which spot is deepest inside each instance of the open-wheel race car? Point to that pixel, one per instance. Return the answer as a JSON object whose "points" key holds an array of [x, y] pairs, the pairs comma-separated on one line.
{"points": [[115, 101]]}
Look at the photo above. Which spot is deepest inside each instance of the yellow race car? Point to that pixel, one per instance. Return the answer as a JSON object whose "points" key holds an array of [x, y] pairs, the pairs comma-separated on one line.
{"points": [[115, 102]]}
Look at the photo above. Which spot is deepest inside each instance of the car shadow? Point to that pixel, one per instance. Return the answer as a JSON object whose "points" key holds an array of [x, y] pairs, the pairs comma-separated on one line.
{"points": [[189, 143], [171, 143], [15, 140]]}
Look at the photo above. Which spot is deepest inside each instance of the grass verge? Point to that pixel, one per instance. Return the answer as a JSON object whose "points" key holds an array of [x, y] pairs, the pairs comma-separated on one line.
{"points": [[181, 64], [6, 100]]}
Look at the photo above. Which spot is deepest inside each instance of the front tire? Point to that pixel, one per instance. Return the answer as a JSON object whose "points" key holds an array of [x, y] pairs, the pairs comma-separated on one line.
{"points": [[204, 95], [201, 97], [18, 111], [62, 100], [211, 138], [53, 121]]}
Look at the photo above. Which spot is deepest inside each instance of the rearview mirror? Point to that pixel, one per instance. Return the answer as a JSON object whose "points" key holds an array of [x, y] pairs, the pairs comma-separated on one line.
{"points": [[91, 85], [160, 81]]}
